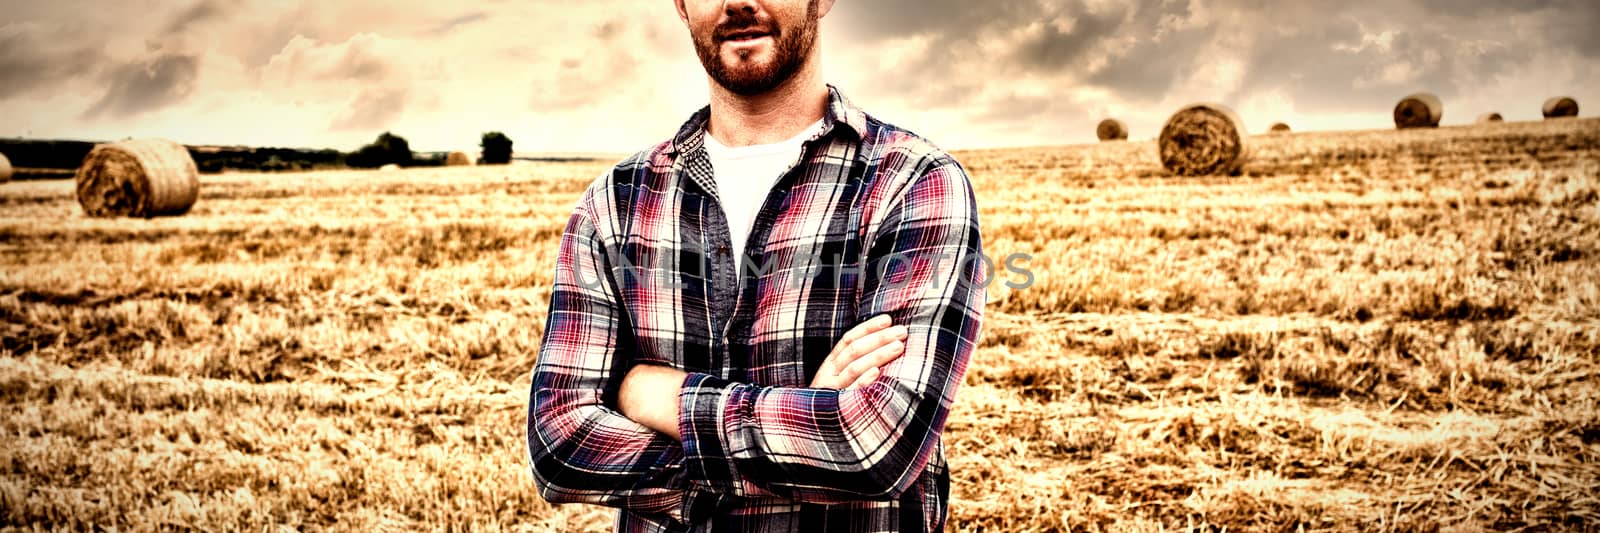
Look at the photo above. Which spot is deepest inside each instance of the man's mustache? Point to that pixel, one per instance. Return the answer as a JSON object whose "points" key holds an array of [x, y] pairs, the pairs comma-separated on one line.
{"points": [[743, 23]]}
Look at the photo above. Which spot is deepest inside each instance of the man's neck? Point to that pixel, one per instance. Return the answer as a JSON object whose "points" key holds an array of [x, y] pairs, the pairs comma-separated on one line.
{"points": [[770, 117]]}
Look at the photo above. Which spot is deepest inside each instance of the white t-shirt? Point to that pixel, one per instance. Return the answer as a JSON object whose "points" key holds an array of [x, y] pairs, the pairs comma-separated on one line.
{"points": [[745, 175]]}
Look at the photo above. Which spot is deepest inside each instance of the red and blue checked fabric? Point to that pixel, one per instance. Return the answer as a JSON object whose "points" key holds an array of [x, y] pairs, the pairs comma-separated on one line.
{"points": [[870, 220]]}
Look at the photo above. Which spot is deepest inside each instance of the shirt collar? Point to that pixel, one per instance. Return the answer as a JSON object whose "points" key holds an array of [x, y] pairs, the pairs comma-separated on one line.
{"points": [[840, 112]]}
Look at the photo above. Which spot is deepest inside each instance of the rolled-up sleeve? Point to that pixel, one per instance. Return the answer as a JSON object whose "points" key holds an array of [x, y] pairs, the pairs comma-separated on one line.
{"points": [[872, 442], [581, 449]]}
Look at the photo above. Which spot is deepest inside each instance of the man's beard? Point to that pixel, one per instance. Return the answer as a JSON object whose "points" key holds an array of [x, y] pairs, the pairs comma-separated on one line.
{"points": [[791, 48]]}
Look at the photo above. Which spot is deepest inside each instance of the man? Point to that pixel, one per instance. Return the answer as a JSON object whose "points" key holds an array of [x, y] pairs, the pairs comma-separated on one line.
{"points": [[696, 391]]}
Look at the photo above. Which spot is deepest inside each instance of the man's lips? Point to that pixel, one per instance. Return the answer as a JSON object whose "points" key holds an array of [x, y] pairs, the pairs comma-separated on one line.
{"points": [[744, 35]]}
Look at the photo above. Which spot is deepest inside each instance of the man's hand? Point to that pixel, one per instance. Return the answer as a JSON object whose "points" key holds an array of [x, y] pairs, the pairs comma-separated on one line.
{"points": [[857, 358]]}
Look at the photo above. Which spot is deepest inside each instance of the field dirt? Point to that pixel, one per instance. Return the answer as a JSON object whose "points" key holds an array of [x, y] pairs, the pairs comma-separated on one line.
{"points": [[1385, 330]]}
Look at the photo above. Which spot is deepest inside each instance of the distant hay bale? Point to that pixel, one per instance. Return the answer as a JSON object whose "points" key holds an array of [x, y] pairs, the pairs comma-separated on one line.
{"points": [[1560, 107], [1489, 117], [1111, 130], [457, 159], [5, 169], [1279, 127], [1203, 139], [1421, 110], [143, 178], [391, 167]]}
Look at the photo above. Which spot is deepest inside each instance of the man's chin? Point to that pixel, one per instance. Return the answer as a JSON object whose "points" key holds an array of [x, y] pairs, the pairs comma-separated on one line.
{"points": [[747, 72], [733, 60], [747, 85]]}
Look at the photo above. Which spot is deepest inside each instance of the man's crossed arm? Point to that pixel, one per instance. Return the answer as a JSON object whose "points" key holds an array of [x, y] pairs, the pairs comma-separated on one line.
{"points": [[649, 393], [865, 432]]}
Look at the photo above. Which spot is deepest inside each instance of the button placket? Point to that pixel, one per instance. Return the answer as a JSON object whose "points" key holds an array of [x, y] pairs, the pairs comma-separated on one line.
{"points": [[723, 277]]}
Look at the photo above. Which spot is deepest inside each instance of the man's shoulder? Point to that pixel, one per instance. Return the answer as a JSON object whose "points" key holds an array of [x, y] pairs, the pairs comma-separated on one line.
{"points": [[635, 165], [887, 143], [902, 163], [631, 171]]}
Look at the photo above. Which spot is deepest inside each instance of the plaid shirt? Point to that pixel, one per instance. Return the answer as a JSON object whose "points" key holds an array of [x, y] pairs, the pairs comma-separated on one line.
{"points": [[872, 219]]}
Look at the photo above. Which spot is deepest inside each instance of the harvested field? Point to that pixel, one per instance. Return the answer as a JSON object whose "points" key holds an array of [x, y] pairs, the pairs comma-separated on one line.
{"points": [[1381, 330]]}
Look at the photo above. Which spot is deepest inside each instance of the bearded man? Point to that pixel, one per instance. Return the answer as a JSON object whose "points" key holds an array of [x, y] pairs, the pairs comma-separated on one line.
{"points": [[761, 323]]}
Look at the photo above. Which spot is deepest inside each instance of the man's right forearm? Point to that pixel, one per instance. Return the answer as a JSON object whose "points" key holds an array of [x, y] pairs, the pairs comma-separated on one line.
{"points": [[649, 396]]}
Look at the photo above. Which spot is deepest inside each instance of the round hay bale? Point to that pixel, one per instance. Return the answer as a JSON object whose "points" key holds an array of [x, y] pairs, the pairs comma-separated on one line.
{"points": [[457, 159], [1560, 107], [1490, 117], [1279, 127], [1421, 110], [1203, 139], [143, 178], [1111, 130], [5, 169], [391, 167]]}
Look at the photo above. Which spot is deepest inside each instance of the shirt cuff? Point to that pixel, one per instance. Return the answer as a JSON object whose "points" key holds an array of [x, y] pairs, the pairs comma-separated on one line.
{"points": [[703, 406]]}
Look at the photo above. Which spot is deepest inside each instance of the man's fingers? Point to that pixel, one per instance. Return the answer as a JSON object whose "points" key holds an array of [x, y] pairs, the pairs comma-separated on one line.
{"points": [[866, 378], [873, 324], [874, 334], [867, 344], [874, 359]]}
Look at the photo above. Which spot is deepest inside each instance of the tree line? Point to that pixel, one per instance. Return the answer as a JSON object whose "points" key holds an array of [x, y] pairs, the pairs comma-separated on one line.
{"points": [[388, 148]]}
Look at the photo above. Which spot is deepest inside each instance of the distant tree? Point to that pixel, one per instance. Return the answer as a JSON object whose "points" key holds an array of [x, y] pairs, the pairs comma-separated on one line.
{"points": [[496, 148], [369, 156], [398, 150], [388, 148]]}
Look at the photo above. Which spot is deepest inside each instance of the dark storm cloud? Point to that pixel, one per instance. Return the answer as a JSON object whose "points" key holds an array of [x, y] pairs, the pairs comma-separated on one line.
{"points": [[1327, 80], [1568, 22], [36, 56], [146, 85], [1148, 69], [1448, 48], [1140, 50], [1059, 38], [33, 58], [1056, 47], [957, 27], [198, 12], [882, 19]]}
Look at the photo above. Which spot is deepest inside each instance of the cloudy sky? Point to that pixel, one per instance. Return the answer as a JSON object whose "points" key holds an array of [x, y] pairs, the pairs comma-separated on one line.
{"points": [[617, 75]]}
